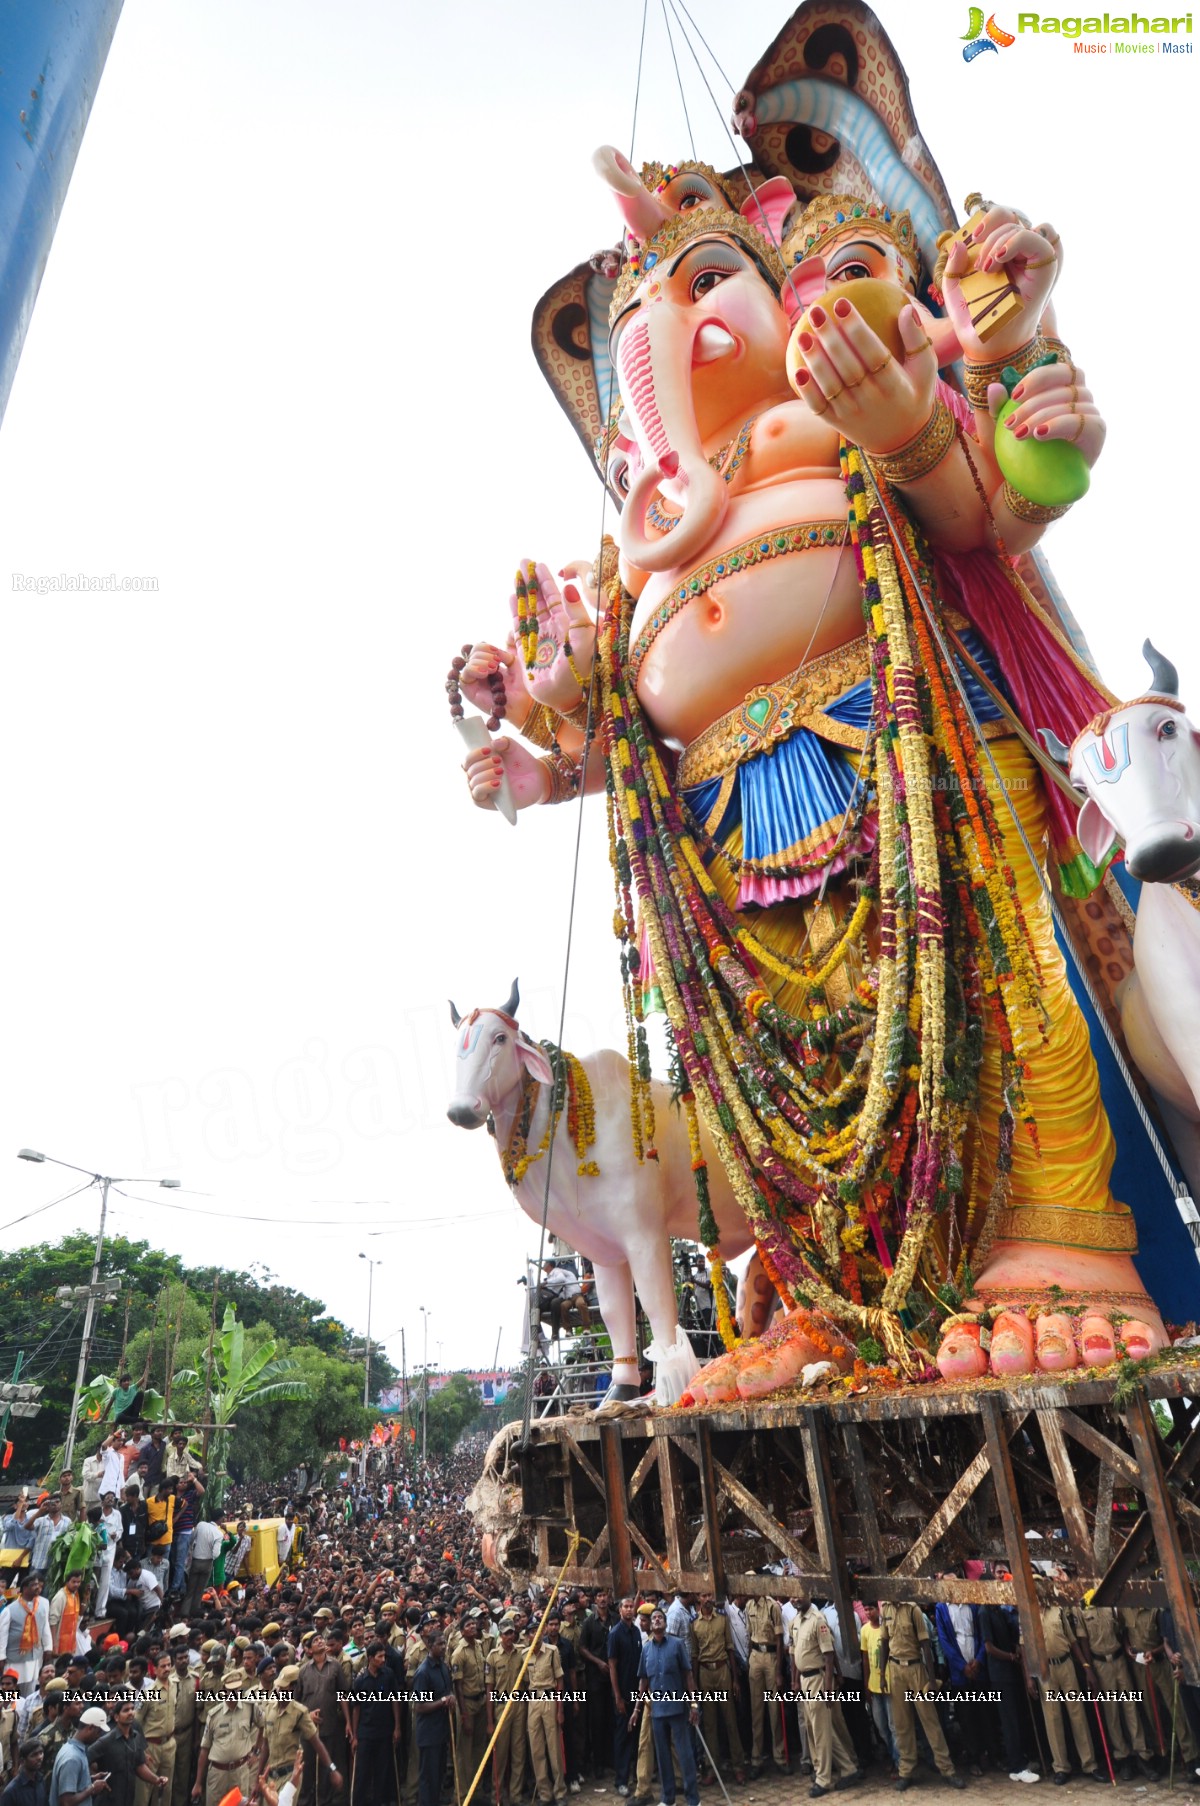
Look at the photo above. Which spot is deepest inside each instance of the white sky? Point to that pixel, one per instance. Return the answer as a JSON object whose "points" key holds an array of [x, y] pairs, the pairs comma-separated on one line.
{"points": [[280, 362]]}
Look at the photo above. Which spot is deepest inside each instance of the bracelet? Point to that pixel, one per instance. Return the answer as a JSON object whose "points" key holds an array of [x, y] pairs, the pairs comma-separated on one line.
{"points": [[1024, 509], [538, 727], [920, 455], [564, 778], [980, 376], [578, 716]]}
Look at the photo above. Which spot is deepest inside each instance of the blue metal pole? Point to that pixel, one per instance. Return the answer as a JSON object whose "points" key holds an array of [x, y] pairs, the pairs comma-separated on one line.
{"points": [[52, 55]]}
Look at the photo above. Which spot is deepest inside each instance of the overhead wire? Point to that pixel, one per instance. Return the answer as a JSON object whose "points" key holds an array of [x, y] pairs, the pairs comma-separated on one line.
{"points": [[50, 1206], [679, 80]]}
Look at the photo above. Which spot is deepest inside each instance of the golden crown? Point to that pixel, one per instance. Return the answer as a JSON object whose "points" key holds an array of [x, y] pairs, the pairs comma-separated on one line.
{"points": [[830, 216], [658, 176], [702, 222]]}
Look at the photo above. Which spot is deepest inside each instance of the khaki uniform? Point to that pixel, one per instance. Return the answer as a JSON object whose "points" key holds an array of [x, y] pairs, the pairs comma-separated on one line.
{"points": [[500, 1676], [8, 1741], [1142, 1632], [467, 1673], [229, 1737], [415, 1651], [316, 1688], [543, 1675], [183, 1700], [287, 1723], [764, 1621], [156, 1715], [1122, 1719], [905, 1628], [829, 1745], [712, 1664], [1061, 1677]]}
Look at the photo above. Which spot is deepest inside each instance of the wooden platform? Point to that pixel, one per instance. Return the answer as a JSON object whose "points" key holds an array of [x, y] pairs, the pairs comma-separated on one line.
{"points": [[875, 1497]]}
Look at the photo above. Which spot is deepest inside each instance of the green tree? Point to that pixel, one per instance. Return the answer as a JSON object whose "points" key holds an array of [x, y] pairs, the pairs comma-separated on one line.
{"points": [[299, 1432], [456, 1407], [243, 1379]]}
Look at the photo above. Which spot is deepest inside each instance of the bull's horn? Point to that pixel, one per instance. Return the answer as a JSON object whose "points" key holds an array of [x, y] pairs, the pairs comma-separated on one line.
{"points": [[1165, 678], [454, 1015], [1058, 752], [514, 997]]}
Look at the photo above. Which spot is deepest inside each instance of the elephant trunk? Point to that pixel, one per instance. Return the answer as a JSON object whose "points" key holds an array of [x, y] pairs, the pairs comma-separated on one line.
{"points": [[655, 362], [642, 211]]}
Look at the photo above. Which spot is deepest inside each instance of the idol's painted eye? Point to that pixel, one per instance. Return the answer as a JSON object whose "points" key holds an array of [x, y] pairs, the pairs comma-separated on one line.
{"points": [[1167, 730], [707, 281], [851, 272]]}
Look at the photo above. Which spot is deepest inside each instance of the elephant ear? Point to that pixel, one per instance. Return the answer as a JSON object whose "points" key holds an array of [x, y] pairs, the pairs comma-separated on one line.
{"points": [[828, 108], [768, 205], [570, 343]]}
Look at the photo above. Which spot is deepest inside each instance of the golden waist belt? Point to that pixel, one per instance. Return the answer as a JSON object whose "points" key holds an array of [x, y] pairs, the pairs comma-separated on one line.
{"points": [[809, 536], [774, 711]]}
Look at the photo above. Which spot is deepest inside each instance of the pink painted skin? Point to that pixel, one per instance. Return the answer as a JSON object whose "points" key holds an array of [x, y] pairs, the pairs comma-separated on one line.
{"points": [[772, 1368], [717, 1382], [1055, 1339], [960, 1356], [1097, 1343], [1139, 1339], [1012, 1344]]}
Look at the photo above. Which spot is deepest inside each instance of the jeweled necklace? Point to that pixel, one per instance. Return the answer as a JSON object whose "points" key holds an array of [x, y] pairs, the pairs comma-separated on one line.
{"points": [[666, 522]]}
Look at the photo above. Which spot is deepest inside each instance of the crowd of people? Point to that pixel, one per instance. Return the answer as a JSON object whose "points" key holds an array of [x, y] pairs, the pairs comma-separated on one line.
{"points": [[154, 1651]]}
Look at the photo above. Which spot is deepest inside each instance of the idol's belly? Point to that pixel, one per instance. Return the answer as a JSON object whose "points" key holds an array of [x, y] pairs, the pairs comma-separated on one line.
{"points": [[755, 625]]}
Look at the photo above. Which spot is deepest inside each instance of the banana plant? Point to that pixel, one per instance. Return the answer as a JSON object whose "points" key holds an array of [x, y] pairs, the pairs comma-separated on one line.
{"points": [[240, 1382]]}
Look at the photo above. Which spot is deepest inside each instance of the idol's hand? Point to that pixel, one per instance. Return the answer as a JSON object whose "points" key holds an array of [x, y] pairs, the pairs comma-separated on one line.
{"points": [[848, 377], [563, 632], [484, 766], [482, 660], [1055, 403], [1031, 256]]}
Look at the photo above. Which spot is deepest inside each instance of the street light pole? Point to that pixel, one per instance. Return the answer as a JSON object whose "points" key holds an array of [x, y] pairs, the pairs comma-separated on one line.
{"points": [[371, 1266], [89, 1316], [425, 1390]]}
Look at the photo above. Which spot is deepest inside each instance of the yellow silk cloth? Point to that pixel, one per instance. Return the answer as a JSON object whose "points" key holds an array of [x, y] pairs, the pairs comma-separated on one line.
{"points": [[1060, 1188]]}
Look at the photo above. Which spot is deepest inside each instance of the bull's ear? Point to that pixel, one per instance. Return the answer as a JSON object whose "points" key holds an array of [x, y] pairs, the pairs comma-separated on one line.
{"points": [[1097, 836], [534, 1061]]}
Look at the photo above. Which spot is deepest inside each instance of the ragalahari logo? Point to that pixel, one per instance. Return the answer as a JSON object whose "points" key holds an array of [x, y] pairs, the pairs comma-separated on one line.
{"points": [[974, 41]]}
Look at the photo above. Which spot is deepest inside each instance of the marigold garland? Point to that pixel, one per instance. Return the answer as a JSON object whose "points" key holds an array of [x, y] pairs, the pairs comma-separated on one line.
{"points": [[841, 1130]]}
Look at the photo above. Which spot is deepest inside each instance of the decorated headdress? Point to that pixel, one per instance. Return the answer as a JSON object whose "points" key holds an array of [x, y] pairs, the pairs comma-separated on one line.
{"points": [[658, 177], [705, 222], [831, 216]]}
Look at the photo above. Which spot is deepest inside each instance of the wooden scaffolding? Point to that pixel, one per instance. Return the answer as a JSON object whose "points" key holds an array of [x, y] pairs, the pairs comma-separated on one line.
{"points": [[877, 1496]]}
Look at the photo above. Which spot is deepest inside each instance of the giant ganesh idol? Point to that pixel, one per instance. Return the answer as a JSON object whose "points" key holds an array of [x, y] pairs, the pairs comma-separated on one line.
{"points": [[837, 424]]}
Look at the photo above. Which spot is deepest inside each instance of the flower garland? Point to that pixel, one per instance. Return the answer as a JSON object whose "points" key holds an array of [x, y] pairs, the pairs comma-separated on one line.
{"points": [[572, 1091], [841, 1130]]}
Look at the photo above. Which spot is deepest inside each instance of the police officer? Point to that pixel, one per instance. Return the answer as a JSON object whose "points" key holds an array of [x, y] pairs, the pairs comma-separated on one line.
{"points": [[906, 1653], [227, 1746], [470, 1687], [1107, 1670], [1143, 1636], [829, 1746], [1062, 1644], [501, 1669], [764, 1621], [543, 1683], [716, 1672], [156, 1715]]}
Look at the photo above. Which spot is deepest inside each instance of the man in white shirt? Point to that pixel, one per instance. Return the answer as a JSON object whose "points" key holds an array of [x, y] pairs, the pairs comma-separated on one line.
{"points": [[284, 1536], [112, 1526], [112, 1457], [25, 1634], [206, 1546]]}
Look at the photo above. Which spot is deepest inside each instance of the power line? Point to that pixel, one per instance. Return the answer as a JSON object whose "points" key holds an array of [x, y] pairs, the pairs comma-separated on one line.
{"points": [[50, 1206]]}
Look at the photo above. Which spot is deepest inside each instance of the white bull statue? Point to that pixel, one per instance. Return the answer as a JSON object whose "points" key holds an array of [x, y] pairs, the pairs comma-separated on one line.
{"points": [[621, 1218], [1140, 768]]}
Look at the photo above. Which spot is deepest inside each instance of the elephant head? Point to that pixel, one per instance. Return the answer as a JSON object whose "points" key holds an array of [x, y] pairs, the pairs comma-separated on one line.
{"points": [[698, 339]]}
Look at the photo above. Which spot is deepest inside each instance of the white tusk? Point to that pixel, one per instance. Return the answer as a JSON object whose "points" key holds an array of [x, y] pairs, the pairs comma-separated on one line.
{"points": [[711, 342]]}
